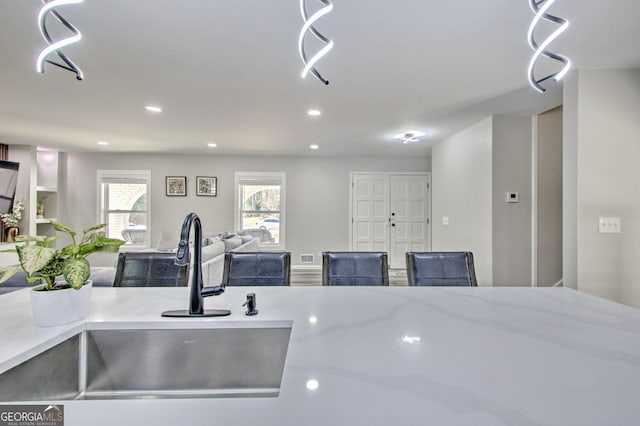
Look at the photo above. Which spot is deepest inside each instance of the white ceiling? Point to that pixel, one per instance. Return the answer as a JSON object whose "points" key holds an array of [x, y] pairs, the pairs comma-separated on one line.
{"points": [[228, 71]]}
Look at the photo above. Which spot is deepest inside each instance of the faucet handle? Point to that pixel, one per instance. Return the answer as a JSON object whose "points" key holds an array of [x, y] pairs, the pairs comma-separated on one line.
{"points": [[251, 304], [182, 254]]}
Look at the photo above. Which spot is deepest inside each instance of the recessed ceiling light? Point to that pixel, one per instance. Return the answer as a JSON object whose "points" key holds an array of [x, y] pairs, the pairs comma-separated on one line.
{"points": [[314, 146], [103, 143], [411, 339], [212, 145], [312, 384], [153, 108], [314, 112], [409, 136]]}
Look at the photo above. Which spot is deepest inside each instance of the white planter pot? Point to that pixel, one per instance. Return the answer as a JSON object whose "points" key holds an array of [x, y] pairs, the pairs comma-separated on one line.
{"points": [[57, 307]]}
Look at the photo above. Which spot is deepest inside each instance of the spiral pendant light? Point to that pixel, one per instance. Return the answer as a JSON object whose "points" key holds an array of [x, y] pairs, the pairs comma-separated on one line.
{"points": [[49, 9], [308, 27], [540, 8]]}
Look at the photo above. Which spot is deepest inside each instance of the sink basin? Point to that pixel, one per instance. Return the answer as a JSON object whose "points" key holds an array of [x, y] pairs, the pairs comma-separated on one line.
{"points": [[154, 363]]}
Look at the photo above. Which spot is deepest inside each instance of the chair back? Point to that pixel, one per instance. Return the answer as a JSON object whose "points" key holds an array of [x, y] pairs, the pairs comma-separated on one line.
{"points": [[150, 269], [441, 269], [355, 268], [257, 268]]}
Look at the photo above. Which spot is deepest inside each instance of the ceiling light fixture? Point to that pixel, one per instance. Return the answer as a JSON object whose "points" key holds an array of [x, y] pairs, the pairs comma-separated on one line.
{"points": [[212, 145], [102, 143], [314, 146], [309, 64], [314, 112], [540, 49], [409, 136], [152, 108], [49, 8]]}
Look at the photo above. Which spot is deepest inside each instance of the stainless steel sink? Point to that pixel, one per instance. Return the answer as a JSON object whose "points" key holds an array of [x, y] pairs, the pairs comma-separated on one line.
{"points": [[154, 363]]}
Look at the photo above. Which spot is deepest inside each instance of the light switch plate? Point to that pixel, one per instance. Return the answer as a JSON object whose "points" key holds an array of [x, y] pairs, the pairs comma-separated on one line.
{"points": [[609, 225], [512, 197], [445, 220]]}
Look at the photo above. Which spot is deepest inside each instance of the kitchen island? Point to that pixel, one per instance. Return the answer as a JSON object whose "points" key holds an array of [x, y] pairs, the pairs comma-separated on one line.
{"points": [[380, 356]]}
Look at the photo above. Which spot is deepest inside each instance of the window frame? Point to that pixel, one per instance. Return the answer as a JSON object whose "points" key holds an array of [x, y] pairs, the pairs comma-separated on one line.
{"points": [[237, 208], [102, 212]]}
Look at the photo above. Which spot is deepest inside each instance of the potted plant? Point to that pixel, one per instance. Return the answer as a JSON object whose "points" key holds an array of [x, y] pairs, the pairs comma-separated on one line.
{"points": [[12, 220], [59, 302]]}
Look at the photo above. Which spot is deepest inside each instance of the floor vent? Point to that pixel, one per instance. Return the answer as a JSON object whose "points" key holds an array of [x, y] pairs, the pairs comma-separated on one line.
{"points": [[307, 258]]}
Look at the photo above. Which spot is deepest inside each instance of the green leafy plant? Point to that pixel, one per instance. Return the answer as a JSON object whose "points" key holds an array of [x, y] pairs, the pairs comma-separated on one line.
{"points": [[43, 263]]}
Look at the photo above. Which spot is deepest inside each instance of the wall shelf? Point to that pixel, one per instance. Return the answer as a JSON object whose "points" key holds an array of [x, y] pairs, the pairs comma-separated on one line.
{"points": [[46, 189], [45, 220]]}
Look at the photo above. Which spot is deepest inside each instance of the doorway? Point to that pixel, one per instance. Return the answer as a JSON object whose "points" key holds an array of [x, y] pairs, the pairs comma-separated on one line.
{"points": [[391, 212]]}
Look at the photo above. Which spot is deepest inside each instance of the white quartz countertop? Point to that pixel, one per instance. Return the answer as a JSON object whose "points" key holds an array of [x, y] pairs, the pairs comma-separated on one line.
{"points": [[485, 356]]}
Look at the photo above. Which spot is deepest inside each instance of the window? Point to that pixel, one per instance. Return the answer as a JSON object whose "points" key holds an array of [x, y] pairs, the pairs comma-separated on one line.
{"points": [[125, 205], [260, 201]]}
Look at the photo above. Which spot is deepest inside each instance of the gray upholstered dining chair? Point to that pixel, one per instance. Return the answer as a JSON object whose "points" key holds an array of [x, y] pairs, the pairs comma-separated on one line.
{"points": [[150, 269], [441, 269], [265, 268], [355, 268]]}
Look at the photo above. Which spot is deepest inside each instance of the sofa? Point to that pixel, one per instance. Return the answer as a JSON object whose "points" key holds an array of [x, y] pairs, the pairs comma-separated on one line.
{"points": [[213, 254], [213, 251]]}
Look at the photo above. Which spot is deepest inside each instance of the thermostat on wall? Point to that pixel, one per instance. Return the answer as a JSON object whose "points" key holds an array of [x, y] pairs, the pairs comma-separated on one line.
{"points": [[512, 197]]}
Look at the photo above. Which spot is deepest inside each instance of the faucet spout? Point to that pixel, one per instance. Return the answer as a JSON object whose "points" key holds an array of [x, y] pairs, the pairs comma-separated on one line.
{"points": [[197, 292]]}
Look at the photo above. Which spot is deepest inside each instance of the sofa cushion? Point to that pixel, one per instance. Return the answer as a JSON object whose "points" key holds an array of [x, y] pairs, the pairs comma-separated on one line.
{"points": [[251, 245], [211, 240], [215, 248], [232, 243], [246, 238]]}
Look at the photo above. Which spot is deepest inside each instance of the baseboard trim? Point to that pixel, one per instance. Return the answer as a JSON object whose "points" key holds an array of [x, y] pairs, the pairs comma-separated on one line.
{"points": [[305, 275], [309, 268]]}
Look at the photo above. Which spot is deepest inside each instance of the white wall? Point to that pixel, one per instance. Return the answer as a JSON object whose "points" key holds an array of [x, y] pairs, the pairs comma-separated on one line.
{"points": [[570, 182], [511, 227], [549, 197], [602, 136], [461, 182], [317, 192]]}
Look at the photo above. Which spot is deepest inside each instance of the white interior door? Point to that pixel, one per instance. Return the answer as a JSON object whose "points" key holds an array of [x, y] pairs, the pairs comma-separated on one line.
{"points": [[390, 212], [370, 210], [409, 217]]}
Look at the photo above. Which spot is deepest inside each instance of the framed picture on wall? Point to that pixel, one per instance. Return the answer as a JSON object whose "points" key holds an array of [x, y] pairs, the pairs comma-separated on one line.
{"points": [[207, 186], [176, 186]]}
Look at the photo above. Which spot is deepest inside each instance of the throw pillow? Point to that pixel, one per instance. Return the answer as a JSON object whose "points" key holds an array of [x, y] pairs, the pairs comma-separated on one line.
{"points": [[232, 243]]}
